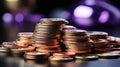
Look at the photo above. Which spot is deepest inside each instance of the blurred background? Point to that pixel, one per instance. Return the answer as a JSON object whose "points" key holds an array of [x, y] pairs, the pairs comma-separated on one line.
{"points": [[92, 15]]}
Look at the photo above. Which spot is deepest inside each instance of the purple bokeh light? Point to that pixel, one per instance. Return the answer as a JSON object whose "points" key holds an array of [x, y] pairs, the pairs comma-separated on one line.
{"points": [[104, 17], [60, 13], [35, 18], [90, 2], [83, 12], [115, 11], [19, 17], [7, 17], [83, 22]]}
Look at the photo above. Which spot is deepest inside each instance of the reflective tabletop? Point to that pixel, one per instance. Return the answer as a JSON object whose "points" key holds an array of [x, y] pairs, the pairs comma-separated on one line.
{"points": [[15, 61]]}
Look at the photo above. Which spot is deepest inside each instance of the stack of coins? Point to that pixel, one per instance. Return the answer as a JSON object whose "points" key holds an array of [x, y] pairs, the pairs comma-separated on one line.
{"points": [[77, 41], [47, 34], [113, 41], [65, 27], [100, 46], [99, 42], [4, 48], [23, 43], [24, 38]]}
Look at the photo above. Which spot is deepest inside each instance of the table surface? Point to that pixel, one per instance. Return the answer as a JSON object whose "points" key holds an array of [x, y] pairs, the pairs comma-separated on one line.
{"points": [[10, 61]]}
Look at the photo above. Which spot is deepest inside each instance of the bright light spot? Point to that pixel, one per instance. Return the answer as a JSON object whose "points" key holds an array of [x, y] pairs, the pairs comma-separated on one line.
{"points": [[115, 11], [19, 17], [7, 17], [60, 13], [12, 4], [12, 0], [83, 12], [83, 22], [104, 17]]}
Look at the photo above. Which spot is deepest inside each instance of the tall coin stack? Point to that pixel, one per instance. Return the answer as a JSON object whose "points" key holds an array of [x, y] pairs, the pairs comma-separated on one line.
{"points": [[47, 34], [77, 41]]}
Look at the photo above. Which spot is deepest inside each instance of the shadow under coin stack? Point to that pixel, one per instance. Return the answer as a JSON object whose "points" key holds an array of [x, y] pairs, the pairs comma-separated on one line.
{"points": [[99, 42], [77, 41], [47, 34]]}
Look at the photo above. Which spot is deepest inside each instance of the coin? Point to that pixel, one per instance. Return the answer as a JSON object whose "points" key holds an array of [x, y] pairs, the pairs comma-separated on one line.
{"points": [[109, 55], [68, 27], [8, 44], [60, 57], [76, 32], [36, 55], [86, 57]]}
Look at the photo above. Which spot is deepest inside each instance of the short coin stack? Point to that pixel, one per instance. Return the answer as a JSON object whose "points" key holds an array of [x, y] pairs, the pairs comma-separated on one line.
{"points": [[77, 41], [23, 43], [24, 38], [99, 41], [113, 41], [47, 34]]}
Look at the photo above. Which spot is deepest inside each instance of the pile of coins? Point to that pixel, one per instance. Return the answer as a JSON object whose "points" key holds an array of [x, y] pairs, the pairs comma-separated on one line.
{"points": [[47, 34], [77, 41], [52, 34]]}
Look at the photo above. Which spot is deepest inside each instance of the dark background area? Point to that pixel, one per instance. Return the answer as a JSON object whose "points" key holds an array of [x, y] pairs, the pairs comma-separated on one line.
{"points": [[45, 8]]}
